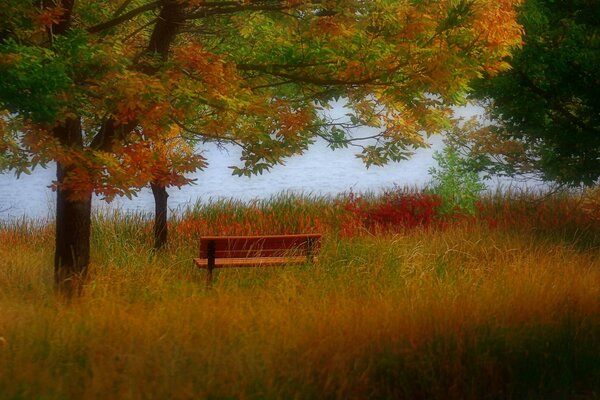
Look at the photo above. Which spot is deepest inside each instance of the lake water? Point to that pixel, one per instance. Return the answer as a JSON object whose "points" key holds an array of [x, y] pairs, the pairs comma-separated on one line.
{"points": [[320, 171]]}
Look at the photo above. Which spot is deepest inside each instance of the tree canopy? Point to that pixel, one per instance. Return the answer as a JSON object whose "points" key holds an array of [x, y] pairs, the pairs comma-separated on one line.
{"points": [[546, 108], [255, 73]]}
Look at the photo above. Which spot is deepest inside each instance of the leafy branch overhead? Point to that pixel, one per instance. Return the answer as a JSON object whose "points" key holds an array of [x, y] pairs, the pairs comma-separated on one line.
{"points": [[149, 81]]}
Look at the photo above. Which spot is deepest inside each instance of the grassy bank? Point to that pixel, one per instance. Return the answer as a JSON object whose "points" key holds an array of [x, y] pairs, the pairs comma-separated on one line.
{"points": [[504, 305]]}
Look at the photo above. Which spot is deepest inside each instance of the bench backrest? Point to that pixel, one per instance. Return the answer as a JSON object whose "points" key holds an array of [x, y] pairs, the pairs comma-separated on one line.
{"points": [[258, 246]]}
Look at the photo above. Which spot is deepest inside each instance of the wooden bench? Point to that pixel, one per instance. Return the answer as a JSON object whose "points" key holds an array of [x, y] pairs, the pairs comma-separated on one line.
{"points": [[256, 251]]}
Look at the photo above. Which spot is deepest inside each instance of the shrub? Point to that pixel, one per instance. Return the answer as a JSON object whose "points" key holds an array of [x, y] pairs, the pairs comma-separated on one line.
{"points": [[395, 209], [456, 183]]}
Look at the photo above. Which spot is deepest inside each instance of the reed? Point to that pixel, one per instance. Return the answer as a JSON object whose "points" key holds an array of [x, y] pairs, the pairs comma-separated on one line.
{"points": [[464, 310]]}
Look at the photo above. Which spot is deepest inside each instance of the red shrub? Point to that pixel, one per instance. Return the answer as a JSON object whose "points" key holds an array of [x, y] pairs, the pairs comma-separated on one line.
{"points": [[395, 210]]}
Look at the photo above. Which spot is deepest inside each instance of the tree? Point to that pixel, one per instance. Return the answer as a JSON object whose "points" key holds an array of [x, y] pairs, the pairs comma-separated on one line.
{"points": [[546, 108], [171, 158], [102, 87]]}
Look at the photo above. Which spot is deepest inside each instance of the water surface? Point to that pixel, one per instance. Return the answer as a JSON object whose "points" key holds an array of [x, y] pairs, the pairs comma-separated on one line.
{"points": [[320, 171]]}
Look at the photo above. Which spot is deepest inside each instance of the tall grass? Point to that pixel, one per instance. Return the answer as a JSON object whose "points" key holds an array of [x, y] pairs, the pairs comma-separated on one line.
{"points": [[462, 310]]}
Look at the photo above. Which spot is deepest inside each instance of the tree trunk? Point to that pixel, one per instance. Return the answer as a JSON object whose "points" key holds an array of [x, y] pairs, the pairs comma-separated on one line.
{"points": [[73, 222], [72, 256], [160, 215], [169, 22]]}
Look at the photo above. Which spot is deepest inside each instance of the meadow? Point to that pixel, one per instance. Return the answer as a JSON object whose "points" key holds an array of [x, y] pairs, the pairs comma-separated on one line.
{"points": [[403, 303]]}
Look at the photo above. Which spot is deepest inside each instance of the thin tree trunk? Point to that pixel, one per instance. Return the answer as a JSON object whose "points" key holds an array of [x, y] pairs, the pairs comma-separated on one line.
{"points": [[160, 215], [169, 22], [73, 222]]}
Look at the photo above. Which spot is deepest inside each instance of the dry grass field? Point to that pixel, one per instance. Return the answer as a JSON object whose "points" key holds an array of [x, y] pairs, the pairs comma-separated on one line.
{"points": [[505, 305]]}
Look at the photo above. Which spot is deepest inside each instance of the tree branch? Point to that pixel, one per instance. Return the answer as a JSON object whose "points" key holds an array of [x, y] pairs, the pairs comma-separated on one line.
{"points": [[207, 137], [162, 37], [122, 8], [125, 17], [208, 12], [267, 69]]}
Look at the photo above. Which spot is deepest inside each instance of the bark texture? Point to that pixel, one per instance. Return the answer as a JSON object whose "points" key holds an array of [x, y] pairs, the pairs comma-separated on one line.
{"points": [[160, 215], [73, 222]]}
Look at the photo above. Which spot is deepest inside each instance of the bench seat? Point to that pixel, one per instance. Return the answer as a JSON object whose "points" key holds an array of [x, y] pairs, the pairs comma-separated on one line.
{"points": [[250, 262]]}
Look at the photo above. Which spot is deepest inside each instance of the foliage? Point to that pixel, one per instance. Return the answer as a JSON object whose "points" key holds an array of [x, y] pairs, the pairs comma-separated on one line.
{"points": [[456, 182], [393, 211], [255, 73], [546, 106]]}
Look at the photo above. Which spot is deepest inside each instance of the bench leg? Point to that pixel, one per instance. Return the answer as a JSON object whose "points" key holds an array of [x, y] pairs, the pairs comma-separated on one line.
{"points": [[211, 253], [310, 245]]}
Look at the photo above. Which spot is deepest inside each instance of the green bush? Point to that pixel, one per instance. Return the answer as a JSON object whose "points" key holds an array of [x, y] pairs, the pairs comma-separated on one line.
{"points": [[456, 182]]}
